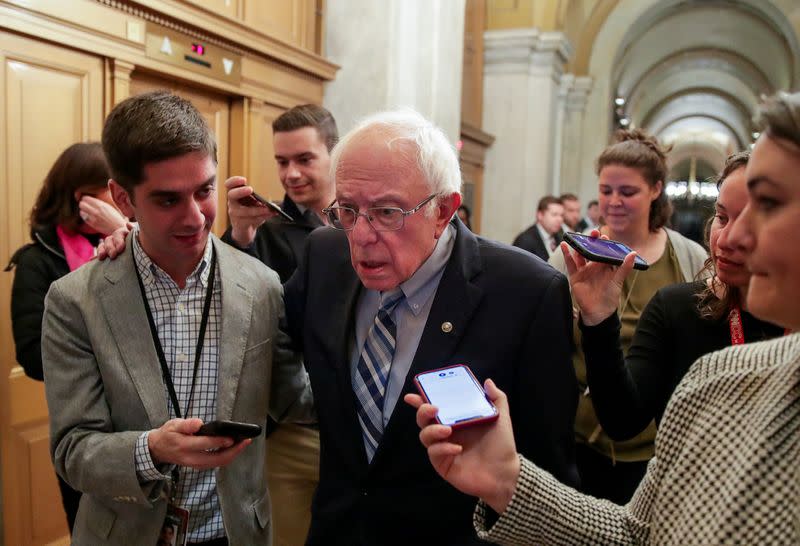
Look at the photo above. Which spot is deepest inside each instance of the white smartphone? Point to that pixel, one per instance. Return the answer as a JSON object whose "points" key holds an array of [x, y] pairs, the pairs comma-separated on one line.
{"points": [[458, 395]]}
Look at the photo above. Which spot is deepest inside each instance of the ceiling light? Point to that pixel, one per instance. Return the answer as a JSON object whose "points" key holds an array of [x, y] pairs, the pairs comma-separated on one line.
{"points": [[619, 101]]}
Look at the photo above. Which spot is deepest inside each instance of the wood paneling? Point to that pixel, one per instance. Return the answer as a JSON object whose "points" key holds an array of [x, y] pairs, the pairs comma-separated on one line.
{"points": [[472, 74], [51, 97], [251, 146]]}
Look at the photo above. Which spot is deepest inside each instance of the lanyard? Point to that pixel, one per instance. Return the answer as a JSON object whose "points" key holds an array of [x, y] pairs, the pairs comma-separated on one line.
{"points": [[200, 338], [735, 323], [737, 328]]}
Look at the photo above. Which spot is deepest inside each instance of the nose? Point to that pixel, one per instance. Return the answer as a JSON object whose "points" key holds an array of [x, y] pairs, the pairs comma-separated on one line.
{"points": [[615, 199], [194, 218], [740, 232], [363, 233], [292, 172]]}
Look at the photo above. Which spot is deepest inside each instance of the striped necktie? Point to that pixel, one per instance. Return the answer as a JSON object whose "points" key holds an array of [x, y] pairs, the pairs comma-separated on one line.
{"points": [[372, 371]]}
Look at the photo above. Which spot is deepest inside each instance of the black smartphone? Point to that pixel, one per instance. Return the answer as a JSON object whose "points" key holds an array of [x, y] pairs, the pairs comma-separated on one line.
{"points": [[458, 395], [603, 250], [255, 200], [231, 429]]}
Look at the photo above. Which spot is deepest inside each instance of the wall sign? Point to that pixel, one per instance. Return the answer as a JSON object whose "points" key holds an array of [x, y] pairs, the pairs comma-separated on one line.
{"points": [[179, 49]]}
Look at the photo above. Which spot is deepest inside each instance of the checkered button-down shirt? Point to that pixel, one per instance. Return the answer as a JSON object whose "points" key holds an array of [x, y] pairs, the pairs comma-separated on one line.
{"points": [[177, 314]]}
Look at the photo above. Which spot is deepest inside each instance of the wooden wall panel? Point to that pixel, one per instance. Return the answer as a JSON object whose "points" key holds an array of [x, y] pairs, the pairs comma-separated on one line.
{"points": [[290, 20], [472, 74], [51, 97]]}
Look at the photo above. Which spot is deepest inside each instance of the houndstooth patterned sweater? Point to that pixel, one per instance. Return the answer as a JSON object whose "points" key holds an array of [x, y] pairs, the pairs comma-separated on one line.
{"points": [[726, 468]]}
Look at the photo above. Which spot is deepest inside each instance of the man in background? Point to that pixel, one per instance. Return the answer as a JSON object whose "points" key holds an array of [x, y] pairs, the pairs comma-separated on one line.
{"points": [[302, 138], [543, 237], [572, 211], [592, 218]]}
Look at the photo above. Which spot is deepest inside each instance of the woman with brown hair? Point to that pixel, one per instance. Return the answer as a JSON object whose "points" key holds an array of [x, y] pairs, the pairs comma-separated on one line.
{"points": [[631, 177], [680, 323], [72, 212], [725, 469]]}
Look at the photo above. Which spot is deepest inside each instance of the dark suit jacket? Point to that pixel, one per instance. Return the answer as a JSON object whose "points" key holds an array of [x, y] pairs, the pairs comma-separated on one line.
{"points": [[512, 321], [531, 241], [279, 243]]}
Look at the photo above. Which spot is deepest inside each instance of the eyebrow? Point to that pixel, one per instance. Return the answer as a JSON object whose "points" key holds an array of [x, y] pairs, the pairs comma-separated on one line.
{"points": [[301, 154], [167, 193], [375, 202], [753, 182]]}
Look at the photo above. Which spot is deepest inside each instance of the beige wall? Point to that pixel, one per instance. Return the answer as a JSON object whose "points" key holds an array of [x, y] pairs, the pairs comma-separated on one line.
{"points": [[65, 64]]}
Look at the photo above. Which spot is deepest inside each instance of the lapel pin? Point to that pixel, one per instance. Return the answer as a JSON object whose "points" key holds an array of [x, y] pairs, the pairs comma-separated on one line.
{"points": [[447, 327]]}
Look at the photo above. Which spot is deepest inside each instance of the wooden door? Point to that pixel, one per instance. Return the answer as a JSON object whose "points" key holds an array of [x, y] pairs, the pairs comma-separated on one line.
{"points": [[216, 109], [50, 97]]}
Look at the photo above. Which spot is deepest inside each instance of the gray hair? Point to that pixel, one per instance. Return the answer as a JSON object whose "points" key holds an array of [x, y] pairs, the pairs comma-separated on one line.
{"points": [[436, 158]]}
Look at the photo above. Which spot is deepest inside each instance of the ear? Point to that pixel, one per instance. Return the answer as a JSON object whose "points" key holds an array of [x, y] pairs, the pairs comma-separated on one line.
{"points": [[446, 207], [656, 190], [122, 198]]}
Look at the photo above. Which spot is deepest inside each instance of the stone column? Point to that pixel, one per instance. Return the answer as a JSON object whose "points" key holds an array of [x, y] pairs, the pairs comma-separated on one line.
{"points": [[396, 53], [522, 76], [571, 147]]}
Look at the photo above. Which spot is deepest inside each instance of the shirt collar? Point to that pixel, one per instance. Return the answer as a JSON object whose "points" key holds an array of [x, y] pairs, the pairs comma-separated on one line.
{"points": [[546, 237], [150, 272], [423, 283]]}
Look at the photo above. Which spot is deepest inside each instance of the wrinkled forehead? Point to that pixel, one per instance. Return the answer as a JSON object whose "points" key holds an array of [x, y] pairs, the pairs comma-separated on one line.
{"points": [[376, 159]]}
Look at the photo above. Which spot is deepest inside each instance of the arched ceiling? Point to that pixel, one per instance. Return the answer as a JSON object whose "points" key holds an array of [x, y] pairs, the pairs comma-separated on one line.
{"points": [[692, 72]]}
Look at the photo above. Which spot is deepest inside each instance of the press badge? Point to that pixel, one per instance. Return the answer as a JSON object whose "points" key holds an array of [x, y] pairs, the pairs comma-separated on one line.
{"points": [[175, 531]]}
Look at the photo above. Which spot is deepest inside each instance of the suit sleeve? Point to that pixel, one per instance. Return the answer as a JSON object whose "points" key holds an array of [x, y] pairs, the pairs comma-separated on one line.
{"points": [[547, 390], [291, 398], [628, 393], [544, 511], [86, 451], [294, 298]]}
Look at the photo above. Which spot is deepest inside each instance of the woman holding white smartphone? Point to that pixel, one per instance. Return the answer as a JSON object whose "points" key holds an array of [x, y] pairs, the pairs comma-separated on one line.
{"points": [[725, 467]]}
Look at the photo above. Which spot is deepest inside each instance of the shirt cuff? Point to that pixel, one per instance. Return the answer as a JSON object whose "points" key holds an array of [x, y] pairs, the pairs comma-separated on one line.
{"points": [[146, 470]]}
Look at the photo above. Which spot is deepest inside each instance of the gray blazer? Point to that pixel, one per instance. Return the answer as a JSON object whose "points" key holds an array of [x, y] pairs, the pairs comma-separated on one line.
{"points": [[104, 388]]}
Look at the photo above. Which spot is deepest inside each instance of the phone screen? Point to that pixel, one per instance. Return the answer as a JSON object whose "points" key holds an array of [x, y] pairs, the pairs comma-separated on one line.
{"points": [[604, 247], [457, 394]]}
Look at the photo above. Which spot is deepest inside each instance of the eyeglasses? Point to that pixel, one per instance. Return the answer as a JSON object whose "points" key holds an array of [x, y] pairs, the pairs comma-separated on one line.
{"points": [[380, 218]]}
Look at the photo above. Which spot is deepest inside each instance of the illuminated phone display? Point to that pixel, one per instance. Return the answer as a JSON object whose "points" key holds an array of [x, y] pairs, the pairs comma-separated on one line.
{"points": [[457, 394]]}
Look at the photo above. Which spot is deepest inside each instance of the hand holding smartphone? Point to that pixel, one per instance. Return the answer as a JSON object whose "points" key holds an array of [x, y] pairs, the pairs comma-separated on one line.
{"points": [[603, 250], [255, 200], [231, 429], [458, 395]]}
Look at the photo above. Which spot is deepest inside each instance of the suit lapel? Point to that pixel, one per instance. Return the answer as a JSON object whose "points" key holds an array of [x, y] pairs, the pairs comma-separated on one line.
{"points": [[124, 311], [455, 302], [342, 332], [237, 312]]}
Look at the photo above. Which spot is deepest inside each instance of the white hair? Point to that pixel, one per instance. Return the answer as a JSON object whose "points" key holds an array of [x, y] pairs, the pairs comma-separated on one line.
{"points": [[436, 158]]}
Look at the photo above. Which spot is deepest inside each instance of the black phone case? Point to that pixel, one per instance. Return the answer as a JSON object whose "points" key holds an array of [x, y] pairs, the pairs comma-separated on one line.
{"points": [[589, 255], [231, 429]]}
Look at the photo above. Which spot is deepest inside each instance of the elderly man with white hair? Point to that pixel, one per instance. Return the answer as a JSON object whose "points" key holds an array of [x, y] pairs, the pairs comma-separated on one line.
{"points": [[396, 257]]}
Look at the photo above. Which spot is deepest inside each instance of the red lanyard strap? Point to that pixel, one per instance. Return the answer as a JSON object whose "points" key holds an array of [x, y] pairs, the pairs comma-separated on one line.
{"points": [[737, 329]]}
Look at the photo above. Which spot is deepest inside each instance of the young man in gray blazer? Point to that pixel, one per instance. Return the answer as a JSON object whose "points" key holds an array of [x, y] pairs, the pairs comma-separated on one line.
{"points": [[180, 330]]}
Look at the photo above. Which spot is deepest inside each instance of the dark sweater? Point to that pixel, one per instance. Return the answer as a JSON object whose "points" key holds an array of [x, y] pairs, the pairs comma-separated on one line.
{"points": [[38, 265], [278, 242], [628, 393]]}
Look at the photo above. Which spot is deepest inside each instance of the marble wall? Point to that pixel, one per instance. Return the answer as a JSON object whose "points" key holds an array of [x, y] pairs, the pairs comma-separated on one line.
{"points": [[396, 53]]}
